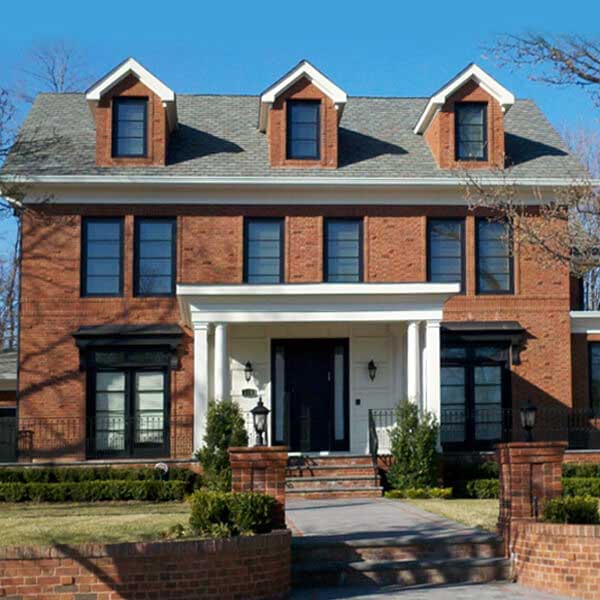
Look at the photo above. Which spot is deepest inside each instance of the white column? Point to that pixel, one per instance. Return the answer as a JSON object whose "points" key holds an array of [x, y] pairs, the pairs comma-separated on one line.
{"points": [[200, 381], [413, 362], [433, 401], [221, 364]]}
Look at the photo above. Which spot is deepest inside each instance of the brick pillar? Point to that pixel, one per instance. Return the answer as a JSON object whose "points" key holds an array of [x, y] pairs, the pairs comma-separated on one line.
{"points": [[530, 474], [261, 469]]}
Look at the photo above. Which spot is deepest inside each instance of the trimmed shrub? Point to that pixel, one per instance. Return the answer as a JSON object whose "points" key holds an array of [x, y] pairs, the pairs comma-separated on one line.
{"points": [[225, 514], [579, 510], [93, 491], [483, 488], [414, 453], [224, 429], [581, 486], [570, 470], [436, 492]]}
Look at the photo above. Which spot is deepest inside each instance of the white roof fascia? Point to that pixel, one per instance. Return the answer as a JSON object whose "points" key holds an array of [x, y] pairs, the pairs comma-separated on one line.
{"points": [[505, 98], [304, 69], [585, 321]]}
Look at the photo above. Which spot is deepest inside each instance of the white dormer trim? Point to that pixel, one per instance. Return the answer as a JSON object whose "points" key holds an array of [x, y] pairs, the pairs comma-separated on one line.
{"points": [[302, 69], [131, 66], [472, 72]]}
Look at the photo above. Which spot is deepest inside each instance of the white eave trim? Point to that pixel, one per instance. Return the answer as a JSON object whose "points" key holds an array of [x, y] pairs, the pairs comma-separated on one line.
{"points": [[129, 66], [585, 321], [303, 69], [505, 98]]}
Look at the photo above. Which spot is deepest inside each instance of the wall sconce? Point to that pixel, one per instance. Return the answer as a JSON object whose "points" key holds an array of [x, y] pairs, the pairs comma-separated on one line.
{"points": [[372, 369], [248, 370], [528, 414], [259, 416]]}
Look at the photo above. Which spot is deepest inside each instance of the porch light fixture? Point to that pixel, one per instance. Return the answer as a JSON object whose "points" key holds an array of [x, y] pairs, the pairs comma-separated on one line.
{"points": [[528, 414], [372, 369], [259, 415], [248, 370]]}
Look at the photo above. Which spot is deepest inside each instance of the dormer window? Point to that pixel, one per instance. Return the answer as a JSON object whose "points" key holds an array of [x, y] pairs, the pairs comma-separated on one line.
{"points": [[471, 130], [129, 127], [303, 129]]}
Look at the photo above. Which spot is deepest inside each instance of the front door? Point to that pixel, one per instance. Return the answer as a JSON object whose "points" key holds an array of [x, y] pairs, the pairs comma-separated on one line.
{"points": [[310, 394]]}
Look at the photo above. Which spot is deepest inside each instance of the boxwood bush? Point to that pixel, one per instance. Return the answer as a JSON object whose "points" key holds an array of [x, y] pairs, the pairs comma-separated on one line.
{"points": [[570, 470], [226, 514], [581, 510], [581, 486], [93, 491], [433, 492]]}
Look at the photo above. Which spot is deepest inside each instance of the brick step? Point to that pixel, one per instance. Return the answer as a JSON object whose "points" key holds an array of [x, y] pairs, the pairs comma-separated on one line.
{"points": [[402, 573], [306, 461], [410, 547], [309, 483], [332, 471], [327, 492]]}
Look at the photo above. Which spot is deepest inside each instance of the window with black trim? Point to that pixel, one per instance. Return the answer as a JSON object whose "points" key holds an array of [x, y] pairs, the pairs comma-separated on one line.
{"points": [[263, 250], [155, 256], [594, 377], [445, 251], [128, 403], [129, 130], [471, 130], [102, 257], [494, 257], [343, 250], [303, 129]]}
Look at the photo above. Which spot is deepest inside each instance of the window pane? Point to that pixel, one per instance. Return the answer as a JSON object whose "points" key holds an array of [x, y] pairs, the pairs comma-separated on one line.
{"points": [[303, 129], [155, 257], [303, 149], [595, 376], [130, 147], [263, 251], [129, 127], [110, 411], [149, 407], [102, 256], [445, 250], [343, 250], [494, 260], [471, 131]]}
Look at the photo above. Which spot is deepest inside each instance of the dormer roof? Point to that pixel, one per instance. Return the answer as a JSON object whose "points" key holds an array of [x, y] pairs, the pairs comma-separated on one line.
{"points": [[470, 72], [302, 70], [130, 66]]}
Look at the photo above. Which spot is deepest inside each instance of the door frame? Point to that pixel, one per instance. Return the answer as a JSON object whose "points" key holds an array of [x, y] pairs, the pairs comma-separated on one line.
{"points": [[343, 446]]}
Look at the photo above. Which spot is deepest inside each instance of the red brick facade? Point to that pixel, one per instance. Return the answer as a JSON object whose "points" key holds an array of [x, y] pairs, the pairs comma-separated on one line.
{"points": [[255, 567], [210, 251], [441, 137]]}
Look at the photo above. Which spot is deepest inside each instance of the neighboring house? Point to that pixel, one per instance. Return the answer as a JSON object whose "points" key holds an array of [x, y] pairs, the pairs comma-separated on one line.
{"points": [[305, 246], [8, 404]]}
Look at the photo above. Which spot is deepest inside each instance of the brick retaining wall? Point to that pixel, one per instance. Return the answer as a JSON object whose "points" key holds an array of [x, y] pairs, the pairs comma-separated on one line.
{"points": [[255, 567], [562, 559]]}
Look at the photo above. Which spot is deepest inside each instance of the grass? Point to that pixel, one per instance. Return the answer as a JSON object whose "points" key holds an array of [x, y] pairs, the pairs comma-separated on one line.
{"points": [[32, 524], [473, 513]]}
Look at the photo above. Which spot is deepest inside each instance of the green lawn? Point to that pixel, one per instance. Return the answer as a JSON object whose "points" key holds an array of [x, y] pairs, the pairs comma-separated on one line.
{"points": [[474, 513], [30, 523]]}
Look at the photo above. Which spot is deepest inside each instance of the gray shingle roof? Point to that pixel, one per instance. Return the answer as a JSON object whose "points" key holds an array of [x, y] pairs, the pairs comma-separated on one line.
{"points": [[217, 136]]}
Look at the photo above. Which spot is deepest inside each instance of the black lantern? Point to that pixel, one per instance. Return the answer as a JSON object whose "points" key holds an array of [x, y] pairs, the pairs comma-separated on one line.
{"points": [[259, 414], [528, 414], [372, 369], [248, 370]]}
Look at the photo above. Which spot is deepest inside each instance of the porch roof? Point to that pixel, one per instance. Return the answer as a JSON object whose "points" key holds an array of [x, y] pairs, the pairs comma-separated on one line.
{"points": [[314, 302]]}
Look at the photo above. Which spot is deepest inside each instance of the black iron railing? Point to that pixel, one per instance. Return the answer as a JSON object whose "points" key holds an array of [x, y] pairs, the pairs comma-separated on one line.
{"points": [[483, 428]]}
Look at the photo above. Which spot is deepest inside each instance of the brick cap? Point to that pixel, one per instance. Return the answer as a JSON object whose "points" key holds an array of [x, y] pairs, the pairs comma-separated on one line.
{"points": [[257, 449], [532, 445]]}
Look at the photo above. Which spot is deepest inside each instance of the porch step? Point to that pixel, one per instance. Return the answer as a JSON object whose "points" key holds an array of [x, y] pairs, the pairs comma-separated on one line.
{"points": [[336, 476], [404, 560]]}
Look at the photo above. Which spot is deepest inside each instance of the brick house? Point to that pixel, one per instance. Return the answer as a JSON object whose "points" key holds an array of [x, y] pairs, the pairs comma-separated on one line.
{"points": [[304, 246]]}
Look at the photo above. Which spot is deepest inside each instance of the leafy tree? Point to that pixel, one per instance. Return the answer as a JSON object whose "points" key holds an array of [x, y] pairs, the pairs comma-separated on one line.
{"points": [[414, 448]]}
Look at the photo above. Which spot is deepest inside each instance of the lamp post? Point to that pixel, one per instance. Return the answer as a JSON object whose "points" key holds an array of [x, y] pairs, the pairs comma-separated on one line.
{"points": [[528, 414], [372, 367], [248, 370], [259, 416]]}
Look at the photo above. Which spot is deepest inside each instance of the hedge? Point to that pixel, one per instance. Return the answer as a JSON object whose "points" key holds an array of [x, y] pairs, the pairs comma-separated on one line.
{"points": [[576, 510], [570, 470], [80, 474], [432, 492], [581, 486], [482, 489], [226, 514], [93, 491]]}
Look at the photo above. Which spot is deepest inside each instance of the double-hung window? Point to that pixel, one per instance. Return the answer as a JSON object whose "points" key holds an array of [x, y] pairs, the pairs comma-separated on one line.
{"points": [[102, 257], [263, 251], [445, 251], [303, 126], [155, 256], [129, 131], [594, 378], [343, 250], [471, 130], [494, 257]]}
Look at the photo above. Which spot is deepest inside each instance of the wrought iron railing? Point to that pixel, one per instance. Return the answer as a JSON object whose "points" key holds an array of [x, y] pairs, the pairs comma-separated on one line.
{"points": [[485, 427]]}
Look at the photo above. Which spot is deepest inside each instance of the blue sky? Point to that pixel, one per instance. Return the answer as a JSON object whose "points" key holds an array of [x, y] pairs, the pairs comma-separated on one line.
{"points": [[398, 48]]}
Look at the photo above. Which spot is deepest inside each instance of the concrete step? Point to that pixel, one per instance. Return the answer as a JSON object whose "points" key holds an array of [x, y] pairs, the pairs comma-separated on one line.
{"points": [[309, 483], [328, 491], [402, 573]]}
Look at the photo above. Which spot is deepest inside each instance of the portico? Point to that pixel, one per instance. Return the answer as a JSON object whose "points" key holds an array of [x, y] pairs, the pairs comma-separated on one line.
{"points": [[397, 326]]}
